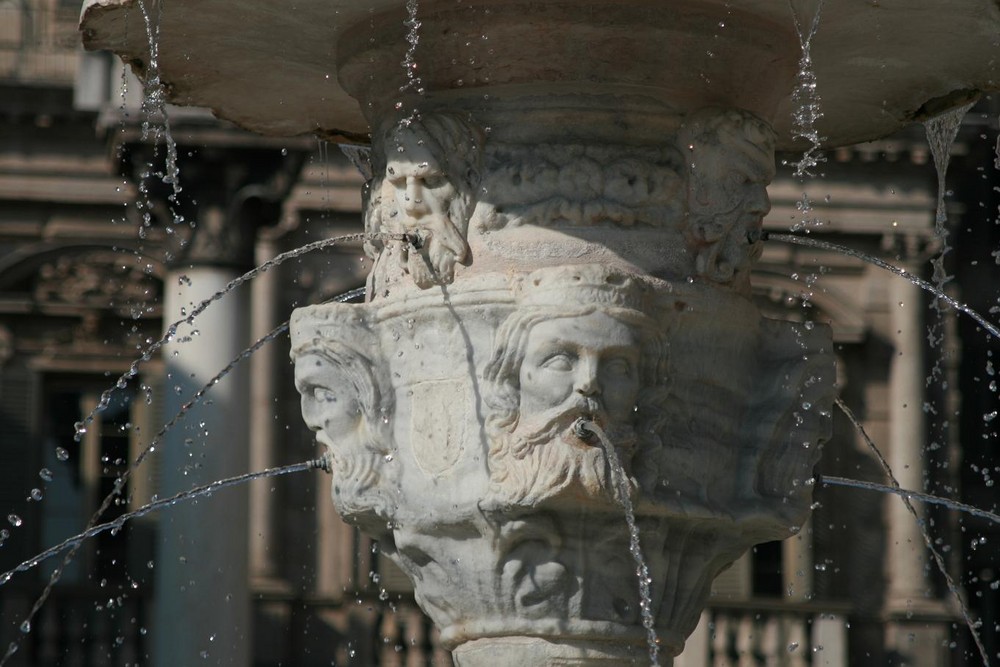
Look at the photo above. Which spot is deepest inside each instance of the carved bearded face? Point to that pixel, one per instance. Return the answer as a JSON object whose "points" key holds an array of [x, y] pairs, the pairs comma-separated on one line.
{"points": [[430, 198], [731, 163], [419, 182], [569, 368], [342, 404], [586, 366]]}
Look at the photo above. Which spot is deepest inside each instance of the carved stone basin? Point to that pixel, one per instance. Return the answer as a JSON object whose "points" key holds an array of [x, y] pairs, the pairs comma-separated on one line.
{"points": [[332, 66], [566, 205]]}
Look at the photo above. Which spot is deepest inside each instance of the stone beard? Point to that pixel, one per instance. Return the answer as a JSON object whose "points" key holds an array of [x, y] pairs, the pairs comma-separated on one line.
{"points": [[551, 367], [427, 192], [342, 403]]}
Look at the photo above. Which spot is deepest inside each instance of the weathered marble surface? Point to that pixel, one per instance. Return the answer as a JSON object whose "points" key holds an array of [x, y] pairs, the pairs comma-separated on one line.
{"points": [[448, 400]]}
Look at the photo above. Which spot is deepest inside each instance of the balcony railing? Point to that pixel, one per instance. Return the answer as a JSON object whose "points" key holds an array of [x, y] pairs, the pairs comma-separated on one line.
{"points": [[762, 635], [38, 42]]}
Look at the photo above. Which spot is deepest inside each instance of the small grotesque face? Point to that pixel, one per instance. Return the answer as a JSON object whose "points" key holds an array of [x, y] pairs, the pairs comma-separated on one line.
{"points": [[586, 365], [421, 187], [330, 403]]}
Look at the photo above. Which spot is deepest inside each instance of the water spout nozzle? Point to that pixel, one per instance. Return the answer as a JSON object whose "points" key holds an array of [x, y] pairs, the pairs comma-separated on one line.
{"points": [[581, 429], [322, 463], [414, 240]]}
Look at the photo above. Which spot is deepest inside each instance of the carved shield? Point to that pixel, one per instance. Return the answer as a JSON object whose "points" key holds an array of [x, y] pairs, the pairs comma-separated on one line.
{"points": [[437, 424]]}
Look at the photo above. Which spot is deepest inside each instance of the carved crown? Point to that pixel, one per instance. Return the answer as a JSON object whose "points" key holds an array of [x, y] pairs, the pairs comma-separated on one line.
{"points": [[583, 284]]}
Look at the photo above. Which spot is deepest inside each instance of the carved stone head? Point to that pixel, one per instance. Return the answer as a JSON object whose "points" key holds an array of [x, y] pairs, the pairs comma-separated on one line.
{"points": [[730, 161], [432, 168], [579, 345], [348, 406]]}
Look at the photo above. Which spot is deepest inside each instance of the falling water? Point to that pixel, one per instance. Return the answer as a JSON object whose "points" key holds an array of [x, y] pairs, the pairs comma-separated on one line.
{"points": [[154, 103], [907, 493], [635, 548], [924, 531], [871, 259], [996, 162], [413, 81], [805, 98], [74, 542], [941, 132]]}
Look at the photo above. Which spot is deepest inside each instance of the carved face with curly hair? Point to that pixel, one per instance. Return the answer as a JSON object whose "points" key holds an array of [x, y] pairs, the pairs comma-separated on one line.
{"points": [[345, 404], [550, 367], [427, 192], [730, 158]]}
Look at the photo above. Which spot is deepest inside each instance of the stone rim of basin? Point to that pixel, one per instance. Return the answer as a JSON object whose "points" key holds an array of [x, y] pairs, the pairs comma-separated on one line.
{"points": [[282, 73]]}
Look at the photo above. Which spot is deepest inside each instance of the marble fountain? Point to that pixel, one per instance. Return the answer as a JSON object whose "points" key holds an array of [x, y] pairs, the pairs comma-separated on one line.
{"points": [[564, 210]]}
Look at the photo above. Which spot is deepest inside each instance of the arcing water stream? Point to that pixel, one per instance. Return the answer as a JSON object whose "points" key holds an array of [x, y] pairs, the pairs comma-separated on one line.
{"points": [[92, 528], [190, 494], [147, 353], [925, 532], [882, 264]]}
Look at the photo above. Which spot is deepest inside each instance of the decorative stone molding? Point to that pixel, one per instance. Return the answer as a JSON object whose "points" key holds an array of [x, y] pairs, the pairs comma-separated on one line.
{"points": [[579, 185], [97, 279]]}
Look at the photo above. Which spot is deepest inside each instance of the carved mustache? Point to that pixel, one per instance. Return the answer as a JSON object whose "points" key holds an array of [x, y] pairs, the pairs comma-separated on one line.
{"points": [[559, 420]]}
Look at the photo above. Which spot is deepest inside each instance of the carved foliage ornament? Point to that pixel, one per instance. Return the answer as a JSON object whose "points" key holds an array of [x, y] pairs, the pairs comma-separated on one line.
{"points": [[98, 279]]}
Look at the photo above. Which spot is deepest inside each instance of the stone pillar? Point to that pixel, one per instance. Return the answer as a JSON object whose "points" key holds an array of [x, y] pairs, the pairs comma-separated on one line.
{"points": [[913, 629], [202, 612], [906, 569], [262, 415]]}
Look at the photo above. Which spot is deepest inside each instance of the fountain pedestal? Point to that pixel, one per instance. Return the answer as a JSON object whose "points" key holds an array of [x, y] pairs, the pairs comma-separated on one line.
{"points": [[519, 287]]}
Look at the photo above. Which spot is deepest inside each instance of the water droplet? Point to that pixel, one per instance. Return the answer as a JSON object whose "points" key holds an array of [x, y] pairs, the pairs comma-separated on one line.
{"points": [[36, 494], [26, 627], [45, 474], [792, 647], [62, 454], [15, 520]]}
